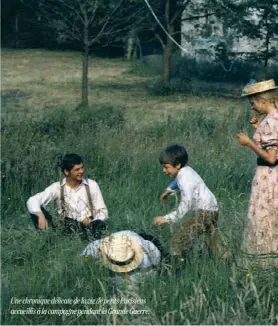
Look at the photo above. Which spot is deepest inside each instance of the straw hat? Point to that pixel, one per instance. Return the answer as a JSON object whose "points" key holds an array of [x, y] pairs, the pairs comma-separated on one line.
{"points": [[120, 253], [255, 88]]}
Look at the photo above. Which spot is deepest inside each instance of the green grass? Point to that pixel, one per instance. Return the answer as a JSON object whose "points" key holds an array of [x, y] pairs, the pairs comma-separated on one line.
{"points": [[121, 154]]}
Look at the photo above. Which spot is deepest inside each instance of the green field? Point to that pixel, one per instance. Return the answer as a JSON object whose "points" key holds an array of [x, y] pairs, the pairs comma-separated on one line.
{"points": [[120, 136]]}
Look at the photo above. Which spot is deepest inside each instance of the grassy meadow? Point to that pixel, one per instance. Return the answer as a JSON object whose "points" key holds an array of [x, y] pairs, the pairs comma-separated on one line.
{"points": [[120, 136]]}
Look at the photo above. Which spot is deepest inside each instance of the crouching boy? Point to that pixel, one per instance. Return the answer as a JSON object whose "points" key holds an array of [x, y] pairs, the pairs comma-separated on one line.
{"points": [[195, 198], [80, 202], [128, 256]]}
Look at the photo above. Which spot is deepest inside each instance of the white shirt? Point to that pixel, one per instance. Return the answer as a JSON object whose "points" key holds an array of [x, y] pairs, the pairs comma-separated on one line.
{"points": [[151, 254], [75, 200], [195, 194]]}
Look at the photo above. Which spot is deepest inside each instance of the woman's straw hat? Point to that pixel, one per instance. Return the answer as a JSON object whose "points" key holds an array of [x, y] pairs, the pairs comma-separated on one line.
{"points": [[120, 253], [264, 86]]}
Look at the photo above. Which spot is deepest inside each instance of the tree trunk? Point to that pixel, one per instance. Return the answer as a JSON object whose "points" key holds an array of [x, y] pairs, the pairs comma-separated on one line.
{"points": [[16, 30], [138, 43], [134, 53], [130, 44], [168, 52], [84, 100], [266, 54]]}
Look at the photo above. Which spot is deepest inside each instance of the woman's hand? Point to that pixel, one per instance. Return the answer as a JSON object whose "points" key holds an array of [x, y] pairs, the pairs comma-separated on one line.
{"points": [[243, 139], [255, 121]]}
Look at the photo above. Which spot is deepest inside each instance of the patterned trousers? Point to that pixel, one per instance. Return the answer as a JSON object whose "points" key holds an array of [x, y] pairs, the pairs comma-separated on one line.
{"points": [[203, 222], [93, 231]]}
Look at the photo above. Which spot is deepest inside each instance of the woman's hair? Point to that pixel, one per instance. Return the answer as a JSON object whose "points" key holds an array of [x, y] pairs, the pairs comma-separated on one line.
{"points": [[174, 154], [271, 96], [69, 161]]}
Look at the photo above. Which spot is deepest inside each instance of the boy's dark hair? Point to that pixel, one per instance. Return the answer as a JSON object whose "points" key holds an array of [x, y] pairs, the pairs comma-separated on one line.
{"points": [[69, 161], [174, 154]]}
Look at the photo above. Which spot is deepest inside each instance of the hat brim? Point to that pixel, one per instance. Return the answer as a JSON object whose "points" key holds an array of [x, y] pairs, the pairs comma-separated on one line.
{"points": [[257, 92], [133, 264]]}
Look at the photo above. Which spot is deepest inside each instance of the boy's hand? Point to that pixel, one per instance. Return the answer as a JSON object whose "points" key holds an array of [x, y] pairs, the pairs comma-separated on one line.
{"points": [[159, 220], [86, 221], [164, 195], [42, 222]]}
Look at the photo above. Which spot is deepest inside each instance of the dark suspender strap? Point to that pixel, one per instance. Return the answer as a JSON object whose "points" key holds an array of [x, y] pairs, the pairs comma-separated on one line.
{"points": [[62, 197], [90, 201]]}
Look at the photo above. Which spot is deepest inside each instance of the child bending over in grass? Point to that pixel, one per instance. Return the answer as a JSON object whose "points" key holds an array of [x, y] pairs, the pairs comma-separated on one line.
{"points": [[195, 197]]}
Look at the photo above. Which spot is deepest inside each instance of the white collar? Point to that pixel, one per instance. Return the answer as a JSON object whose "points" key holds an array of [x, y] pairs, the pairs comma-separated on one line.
{"points": [[84, 181]]}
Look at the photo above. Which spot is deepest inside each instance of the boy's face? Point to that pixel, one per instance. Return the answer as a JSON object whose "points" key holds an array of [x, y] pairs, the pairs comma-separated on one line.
{"points": [[171, 170], [76, 173]]}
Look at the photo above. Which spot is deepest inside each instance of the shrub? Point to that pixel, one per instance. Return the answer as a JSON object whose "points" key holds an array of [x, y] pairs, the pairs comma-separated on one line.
{"points": [[175, 85], [144, 68], [186, 68], [235, 71], [105, 115]]}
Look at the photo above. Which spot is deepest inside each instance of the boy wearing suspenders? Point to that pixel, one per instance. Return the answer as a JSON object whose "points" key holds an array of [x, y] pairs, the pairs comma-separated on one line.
{"points": [[79, 200]]}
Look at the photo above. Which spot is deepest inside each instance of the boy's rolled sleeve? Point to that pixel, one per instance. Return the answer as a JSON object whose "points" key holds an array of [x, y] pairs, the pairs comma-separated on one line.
{"points": [[186, 190], [177, 214], [91, 249], [43, 198], [173, 186], [98, 203]]}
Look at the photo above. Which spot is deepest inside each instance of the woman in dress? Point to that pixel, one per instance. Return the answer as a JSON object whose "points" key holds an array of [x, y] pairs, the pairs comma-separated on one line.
{"points": [[260, 241]]}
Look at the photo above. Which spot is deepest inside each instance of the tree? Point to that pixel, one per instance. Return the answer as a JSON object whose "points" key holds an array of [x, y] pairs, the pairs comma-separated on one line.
{"points": [[260, 22], [255, 19], [17, 25], [85, 21], [164, 19]]}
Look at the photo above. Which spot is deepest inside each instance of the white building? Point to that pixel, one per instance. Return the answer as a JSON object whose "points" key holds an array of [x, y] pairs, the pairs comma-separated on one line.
{"points": [[202, 37]]}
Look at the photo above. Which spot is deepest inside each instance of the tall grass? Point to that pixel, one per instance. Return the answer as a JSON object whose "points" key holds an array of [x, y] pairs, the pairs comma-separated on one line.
{"points": [[123, 160]]}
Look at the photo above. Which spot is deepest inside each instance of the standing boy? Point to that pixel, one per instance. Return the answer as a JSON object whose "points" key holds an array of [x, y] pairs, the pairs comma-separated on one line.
{"points": [[79, 200], [195, 197]]}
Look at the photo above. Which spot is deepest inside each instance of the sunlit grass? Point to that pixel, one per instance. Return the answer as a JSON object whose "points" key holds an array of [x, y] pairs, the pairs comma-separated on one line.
{"points": [[120, 144], [37, 80]]}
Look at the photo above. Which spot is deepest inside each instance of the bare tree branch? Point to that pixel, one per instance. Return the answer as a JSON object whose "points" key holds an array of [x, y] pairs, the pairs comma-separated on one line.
{"points": [[197, 17], [160, 40]]}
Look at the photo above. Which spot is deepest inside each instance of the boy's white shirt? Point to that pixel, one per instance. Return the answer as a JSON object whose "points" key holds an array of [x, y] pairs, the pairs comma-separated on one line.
{"points": [[194, 193], [151, 254], [76, 200]]}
